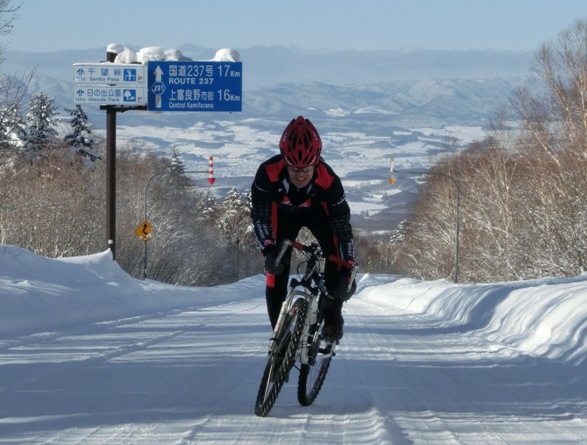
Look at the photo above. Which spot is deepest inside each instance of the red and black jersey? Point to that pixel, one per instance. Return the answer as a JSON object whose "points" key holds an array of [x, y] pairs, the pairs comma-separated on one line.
{"points": [[273, 193]]}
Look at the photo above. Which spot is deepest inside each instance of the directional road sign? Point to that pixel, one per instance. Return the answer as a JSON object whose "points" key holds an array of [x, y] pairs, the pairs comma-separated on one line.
{"points": [[194, 86], [108, 73], [105, 95], [109, 84]]}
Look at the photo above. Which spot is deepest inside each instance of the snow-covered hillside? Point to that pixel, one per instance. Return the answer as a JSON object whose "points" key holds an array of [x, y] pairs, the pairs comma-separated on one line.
{"points": [[90, 355], [367, 106]]}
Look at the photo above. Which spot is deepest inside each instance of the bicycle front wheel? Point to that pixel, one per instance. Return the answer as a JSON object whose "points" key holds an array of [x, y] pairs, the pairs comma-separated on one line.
{"points": [[282, 357], [312, 376]]}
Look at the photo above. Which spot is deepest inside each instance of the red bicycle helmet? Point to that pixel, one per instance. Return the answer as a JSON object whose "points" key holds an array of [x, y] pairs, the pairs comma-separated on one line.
{"points": [[300, 143]]}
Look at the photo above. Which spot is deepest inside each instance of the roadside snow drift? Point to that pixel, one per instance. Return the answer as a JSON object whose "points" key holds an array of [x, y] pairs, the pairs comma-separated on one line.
{"points": [[92, 356]]}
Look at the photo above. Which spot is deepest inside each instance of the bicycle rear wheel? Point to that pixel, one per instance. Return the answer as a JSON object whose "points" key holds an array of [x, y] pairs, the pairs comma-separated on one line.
{"points": [[312, 376], [282, 357]]}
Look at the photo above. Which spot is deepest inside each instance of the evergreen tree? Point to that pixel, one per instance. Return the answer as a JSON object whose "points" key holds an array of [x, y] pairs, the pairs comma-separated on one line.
{"points": [[398, 236], [209, 205], [41, 125], [81, 134], [13, 132], [176, 165], [234, 222]]}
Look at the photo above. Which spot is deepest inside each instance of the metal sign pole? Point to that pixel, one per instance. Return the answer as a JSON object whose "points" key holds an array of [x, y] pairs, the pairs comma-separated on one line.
{"points": [[111, 172]]}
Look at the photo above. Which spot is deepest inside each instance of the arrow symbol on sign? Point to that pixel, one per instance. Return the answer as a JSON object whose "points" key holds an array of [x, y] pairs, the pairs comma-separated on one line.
{"points": [[158, 73], [145, 226], [158, 77]]}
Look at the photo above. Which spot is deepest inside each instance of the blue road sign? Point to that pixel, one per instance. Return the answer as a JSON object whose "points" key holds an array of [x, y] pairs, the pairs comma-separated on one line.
{"points": [[194, 86], [108, 74], [109, 84], [104, 95]]}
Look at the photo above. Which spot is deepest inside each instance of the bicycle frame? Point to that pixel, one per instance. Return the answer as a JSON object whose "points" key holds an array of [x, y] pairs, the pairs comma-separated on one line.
{"points": [[310, 287], [297, 334]]}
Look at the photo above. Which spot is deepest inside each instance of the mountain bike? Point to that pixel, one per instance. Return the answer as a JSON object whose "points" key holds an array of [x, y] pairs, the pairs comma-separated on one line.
{"points": [[296, 337]]}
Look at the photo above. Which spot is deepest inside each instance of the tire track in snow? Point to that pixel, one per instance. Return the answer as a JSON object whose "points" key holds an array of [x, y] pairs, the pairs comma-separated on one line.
{"points": [[441, 386]]}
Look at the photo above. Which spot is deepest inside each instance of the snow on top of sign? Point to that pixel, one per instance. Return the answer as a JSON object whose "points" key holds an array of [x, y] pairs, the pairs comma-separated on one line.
{"points": [[227, 55], [128, 55]]}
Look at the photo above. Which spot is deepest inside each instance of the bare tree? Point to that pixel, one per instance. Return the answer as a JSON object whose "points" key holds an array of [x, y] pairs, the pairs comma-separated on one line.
{"points": [[523, 206], [557, 120], [8, 15]]}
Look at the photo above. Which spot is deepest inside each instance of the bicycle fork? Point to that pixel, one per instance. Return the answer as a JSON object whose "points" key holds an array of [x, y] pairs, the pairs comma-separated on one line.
{"points": [[312, 344], [309, 333], [286, 307]]}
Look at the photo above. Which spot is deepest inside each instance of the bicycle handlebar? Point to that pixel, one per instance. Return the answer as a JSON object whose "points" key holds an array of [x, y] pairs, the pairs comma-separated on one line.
{"points": [[286, 243]]}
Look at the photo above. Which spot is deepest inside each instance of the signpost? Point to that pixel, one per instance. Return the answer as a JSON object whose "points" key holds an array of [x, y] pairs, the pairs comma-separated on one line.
{"points": [[109, 84], [143, 231], [194, 86], [157, 86]]}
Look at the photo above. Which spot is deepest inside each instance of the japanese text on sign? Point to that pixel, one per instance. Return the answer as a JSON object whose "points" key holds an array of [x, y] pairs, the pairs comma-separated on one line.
{"points": [[109, 84], [108, 74], [195, 86]]}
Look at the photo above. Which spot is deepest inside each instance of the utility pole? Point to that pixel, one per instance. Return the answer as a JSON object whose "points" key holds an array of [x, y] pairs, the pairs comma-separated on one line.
{"points": [[393, 171], [154, 85]]}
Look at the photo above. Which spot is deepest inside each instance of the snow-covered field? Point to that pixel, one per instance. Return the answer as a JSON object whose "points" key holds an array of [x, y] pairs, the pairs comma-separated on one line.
{"points": [[361, 160], [89, 355], [410, 106]]}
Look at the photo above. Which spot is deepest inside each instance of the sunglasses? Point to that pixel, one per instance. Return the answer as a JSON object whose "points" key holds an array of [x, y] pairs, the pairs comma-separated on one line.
{"points": [[305, 170]]}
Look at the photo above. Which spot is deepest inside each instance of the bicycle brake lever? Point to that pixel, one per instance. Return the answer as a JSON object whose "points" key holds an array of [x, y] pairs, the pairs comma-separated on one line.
{"points": [[284, 245]]}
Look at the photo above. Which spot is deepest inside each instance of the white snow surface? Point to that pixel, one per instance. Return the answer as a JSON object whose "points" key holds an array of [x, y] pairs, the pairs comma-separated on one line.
{"points": [[90, 355], [124, 54]]}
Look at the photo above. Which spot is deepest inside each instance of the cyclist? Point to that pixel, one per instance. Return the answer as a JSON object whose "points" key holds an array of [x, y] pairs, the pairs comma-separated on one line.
{"points": [[298, 189]]}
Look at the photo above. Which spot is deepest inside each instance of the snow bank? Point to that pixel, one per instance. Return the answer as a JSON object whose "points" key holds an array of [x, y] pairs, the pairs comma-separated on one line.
{"points": [[38, 293], [545, 317]]}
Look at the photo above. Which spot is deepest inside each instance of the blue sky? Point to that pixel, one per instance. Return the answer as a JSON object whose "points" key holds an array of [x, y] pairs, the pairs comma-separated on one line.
{"points": [[47, 25]]}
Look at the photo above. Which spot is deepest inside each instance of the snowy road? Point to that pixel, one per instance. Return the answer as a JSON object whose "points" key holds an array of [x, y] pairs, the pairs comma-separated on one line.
{"points": [[420, 363], [186, 376]]}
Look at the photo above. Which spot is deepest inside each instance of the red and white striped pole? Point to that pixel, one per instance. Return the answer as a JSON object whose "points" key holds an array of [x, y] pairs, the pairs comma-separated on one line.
{"points": [[211, 178]]}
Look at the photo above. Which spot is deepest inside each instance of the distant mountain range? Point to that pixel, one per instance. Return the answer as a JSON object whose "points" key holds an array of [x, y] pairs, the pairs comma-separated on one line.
{"points": [[368, 106], [408, 87]]}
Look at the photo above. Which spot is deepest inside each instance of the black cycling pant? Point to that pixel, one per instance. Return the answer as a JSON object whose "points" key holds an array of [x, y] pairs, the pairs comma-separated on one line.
{"points": [[288, 227]]}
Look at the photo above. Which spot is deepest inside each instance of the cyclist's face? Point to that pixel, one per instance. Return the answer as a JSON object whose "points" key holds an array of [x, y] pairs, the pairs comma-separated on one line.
{"points": [[300, 177]]}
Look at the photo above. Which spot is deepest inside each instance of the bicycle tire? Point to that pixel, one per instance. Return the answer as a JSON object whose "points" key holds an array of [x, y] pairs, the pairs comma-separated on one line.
{"points": [[311, 379], [282, 360]]}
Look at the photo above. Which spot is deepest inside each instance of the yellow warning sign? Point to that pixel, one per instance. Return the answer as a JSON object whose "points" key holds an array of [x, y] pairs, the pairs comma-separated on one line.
{"points": [[143, 231]]}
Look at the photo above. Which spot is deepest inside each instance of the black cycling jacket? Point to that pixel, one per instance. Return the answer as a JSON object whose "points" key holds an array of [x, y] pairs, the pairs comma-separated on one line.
{"points": [[272, 192]]}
